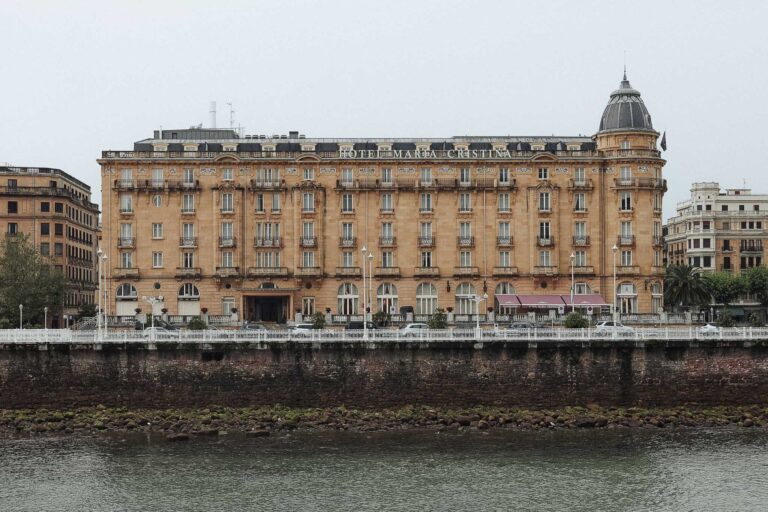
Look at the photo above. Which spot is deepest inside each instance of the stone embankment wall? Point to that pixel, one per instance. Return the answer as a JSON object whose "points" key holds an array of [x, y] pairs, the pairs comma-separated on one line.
{"points": [[389, 374]]}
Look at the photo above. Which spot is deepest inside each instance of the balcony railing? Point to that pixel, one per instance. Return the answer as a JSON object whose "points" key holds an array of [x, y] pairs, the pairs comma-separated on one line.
{"points": [[227, 241], [427, 241], [627, 270], [227, 271], [309, 271], [308, 241], [274, 241], [585, 184], [125, 272], [386, 211], [544, 270], [426, 271], [425, 210], [227, 210], [348, 271], [658, 271], [188, 271], [257, 184], [387, 241], [504, 241], [126, 210], [582, 270], [350, 241], [386, 271], [267, 271], [188, 241], [657, 240], [504, 271], [188, 210], [465, 241], [545, 241], [126, 242], [625, 240], [466, 271], [581, 240], [653, 183], [750, 247]]}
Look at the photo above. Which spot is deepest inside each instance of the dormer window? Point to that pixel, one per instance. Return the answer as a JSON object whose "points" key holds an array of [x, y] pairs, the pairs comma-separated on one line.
{"points": [[625, 144]]}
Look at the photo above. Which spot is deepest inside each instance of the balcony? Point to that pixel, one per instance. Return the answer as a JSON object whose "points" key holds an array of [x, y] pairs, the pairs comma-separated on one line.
{"points": [[261, 184], [386, 211], [544, 270], [504, 210], [188, 211], [466, 271], [183, 185], [465, 241], [227, 241], [125, 272], [465, 210], [427, 241], [386, 271], [658, 241], [584, 270], [426, 210], [188, 272], [188, 241], [348, 272], [227, 271], [387, 241], [309, 272], [504, 271], [545, 241], [308, 210], [755, 248], [658, 271], [227, 210], [625, 240], [274, 241], [581, 241], [726, 248], [126, 242], [308, 241], [627, 270], [126, 210], [348, 242], [585, 184], [651, 183], [426, 272], [504, 241], [124, 184], [267, 271]]}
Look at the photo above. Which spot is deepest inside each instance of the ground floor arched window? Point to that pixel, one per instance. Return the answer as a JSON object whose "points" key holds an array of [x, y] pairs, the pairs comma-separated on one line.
{"points": [[505, 288], [627, 298], [426, 299], [465, 303], [657, 298], [127, 300], [348, 299], [386, 298], [189, 300]]}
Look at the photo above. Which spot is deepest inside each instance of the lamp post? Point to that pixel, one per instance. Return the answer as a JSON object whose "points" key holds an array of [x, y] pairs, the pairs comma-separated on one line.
{"points": [[104, 299], [21, 316], [370, 284], [478, 299], [365, 324], [45, 318], [99, 254], [615, 250], [573, 284]]}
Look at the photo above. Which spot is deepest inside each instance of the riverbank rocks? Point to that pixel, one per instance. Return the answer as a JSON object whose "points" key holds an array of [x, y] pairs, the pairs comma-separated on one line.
{"points": [[177, 437]]}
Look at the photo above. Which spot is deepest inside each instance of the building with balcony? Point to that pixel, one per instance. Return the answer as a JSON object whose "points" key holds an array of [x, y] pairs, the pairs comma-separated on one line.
{"points": [[55, 210], [718, 230], [446, 219]]}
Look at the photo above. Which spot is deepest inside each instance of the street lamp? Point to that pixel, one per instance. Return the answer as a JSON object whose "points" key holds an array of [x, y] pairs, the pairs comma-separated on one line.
{"points": [[365, 324], [573, 284], [21, 316], [370, 283], [478, 299], [45, 317], [615, 250], [99, 254], [104, 300]]}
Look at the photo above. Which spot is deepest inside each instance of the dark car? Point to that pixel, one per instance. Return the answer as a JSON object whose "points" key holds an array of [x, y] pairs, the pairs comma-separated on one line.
{"points": [[358, 325]]}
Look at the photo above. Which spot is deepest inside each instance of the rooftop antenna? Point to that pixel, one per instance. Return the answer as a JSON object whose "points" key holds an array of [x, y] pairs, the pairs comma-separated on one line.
{"points": [[231, 116], [212, 112]]}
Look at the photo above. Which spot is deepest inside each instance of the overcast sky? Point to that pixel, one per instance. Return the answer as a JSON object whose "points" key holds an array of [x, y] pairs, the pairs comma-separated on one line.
{"points": [[81, 77]]}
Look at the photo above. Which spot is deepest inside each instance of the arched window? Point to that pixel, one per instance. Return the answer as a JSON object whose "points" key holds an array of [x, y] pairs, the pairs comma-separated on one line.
{"points": [[188, 291], [657, 298], [581, 289], [386, 298], [426, 299], [627, 297], [347, 299], [465, 305], [126, 291], [505, 289]]}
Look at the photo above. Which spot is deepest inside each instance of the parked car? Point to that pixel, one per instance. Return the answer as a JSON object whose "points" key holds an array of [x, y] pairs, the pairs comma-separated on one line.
{"points": [[415, 329], [358, 325], [157, 333], [523, 325], [611, 328], [709, 330], [302, 329], [253, 326]]}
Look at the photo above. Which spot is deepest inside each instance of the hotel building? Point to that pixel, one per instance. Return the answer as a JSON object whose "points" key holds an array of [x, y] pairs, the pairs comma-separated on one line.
{"points": [[55, 211], [273, 225]]}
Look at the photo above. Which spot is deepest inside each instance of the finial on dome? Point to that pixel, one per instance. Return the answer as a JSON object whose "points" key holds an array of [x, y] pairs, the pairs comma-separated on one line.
{"points": [[625, 73]]}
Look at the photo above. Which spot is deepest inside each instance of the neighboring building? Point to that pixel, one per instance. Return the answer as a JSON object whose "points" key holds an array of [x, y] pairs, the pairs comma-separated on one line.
{"points": [[716, 230], [55, 210], [273, 225]]}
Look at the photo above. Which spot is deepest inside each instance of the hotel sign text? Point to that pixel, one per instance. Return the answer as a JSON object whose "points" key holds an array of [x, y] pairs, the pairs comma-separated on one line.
{"points": [[426, 154]]}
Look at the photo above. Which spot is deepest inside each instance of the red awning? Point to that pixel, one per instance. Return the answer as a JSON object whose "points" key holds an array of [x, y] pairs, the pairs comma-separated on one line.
{"points": [[585, 300], [540, 301], [507, 301]]}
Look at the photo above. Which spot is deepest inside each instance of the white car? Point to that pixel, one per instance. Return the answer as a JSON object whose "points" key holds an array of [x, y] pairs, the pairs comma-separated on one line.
{"points": [[609, 328], [709, 329], [302, 330], [416, 329]]}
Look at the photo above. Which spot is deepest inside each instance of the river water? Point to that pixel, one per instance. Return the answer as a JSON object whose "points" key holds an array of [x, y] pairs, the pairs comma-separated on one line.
{"points": [[628, 470]]}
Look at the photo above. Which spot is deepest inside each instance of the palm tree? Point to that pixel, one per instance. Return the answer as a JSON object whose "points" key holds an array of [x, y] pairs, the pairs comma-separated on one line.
{"points": [[684, 287]]}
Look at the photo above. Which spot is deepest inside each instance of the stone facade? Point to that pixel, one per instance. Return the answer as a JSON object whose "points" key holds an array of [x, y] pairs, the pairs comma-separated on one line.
{"points": [[55, 210], [206, 218]]}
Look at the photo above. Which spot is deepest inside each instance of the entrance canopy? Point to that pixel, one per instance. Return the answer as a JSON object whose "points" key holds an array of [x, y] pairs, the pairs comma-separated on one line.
{"points": [[540, 301], [507, 301], [585, 300]]}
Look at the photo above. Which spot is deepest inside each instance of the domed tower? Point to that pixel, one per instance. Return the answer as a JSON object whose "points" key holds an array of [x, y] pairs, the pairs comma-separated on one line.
{"points": [[626, 123]]}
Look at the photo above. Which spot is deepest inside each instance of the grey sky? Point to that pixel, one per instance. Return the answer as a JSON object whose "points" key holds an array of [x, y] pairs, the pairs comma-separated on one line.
{"points": [[81, 77]]}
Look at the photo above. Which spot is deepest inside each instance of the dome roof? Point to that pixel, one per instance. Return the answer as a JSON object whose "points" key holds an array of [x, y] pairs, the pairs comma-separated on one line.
{"points": [[625, 110]]}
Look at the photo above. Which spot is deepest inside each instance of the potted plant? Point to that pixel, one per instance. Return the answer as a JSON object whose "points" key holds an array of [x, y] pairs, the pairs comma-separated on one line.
{"points": [[233, 310], [137, 310], [204, 310], [164, 310]]}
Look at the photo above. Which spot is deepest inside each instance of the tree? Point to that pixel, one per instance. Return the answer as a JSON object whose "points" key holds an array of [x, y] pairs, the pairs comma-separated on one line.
{"points": [[29, 279], [684, 287], [757, 283], [724, 287], [86, 311], [318, 321], [574, 320], [197, 324], [439, 320]]}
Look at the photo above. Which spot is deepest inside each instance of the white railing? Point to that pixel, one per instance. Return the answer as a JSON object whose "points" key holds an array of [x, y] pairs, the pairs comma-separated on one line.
{"points": [[548, 334]]}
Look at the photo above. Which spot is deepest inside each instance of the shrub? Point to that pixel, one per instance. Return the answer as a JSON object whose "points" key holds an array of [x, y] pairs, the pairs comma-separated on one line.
{"points": [[755, 319], [318, 321], [574, 320], [439, 320], [197, 324], [381, 318], [725, 320]]}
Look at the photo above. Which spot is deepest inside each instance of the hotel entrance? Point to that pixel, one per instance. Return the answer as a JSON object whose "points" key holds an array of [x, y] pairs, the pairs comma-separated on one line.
{"points": [[267, 307]]}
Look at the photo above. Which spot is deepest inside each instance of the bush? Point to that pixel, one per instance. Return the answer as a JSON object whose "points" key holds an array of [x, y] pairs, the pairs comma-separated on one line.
{"points": [[381, 319], [318, 321], [755, 319], [725, 320], [574, 320], [197, 324], [439, 320]]}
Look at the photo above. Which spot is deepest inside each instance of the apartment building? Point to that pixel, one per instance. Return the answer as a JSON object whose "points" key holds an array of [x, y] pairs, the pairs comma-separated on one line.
{"points": [[213, 221]]}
